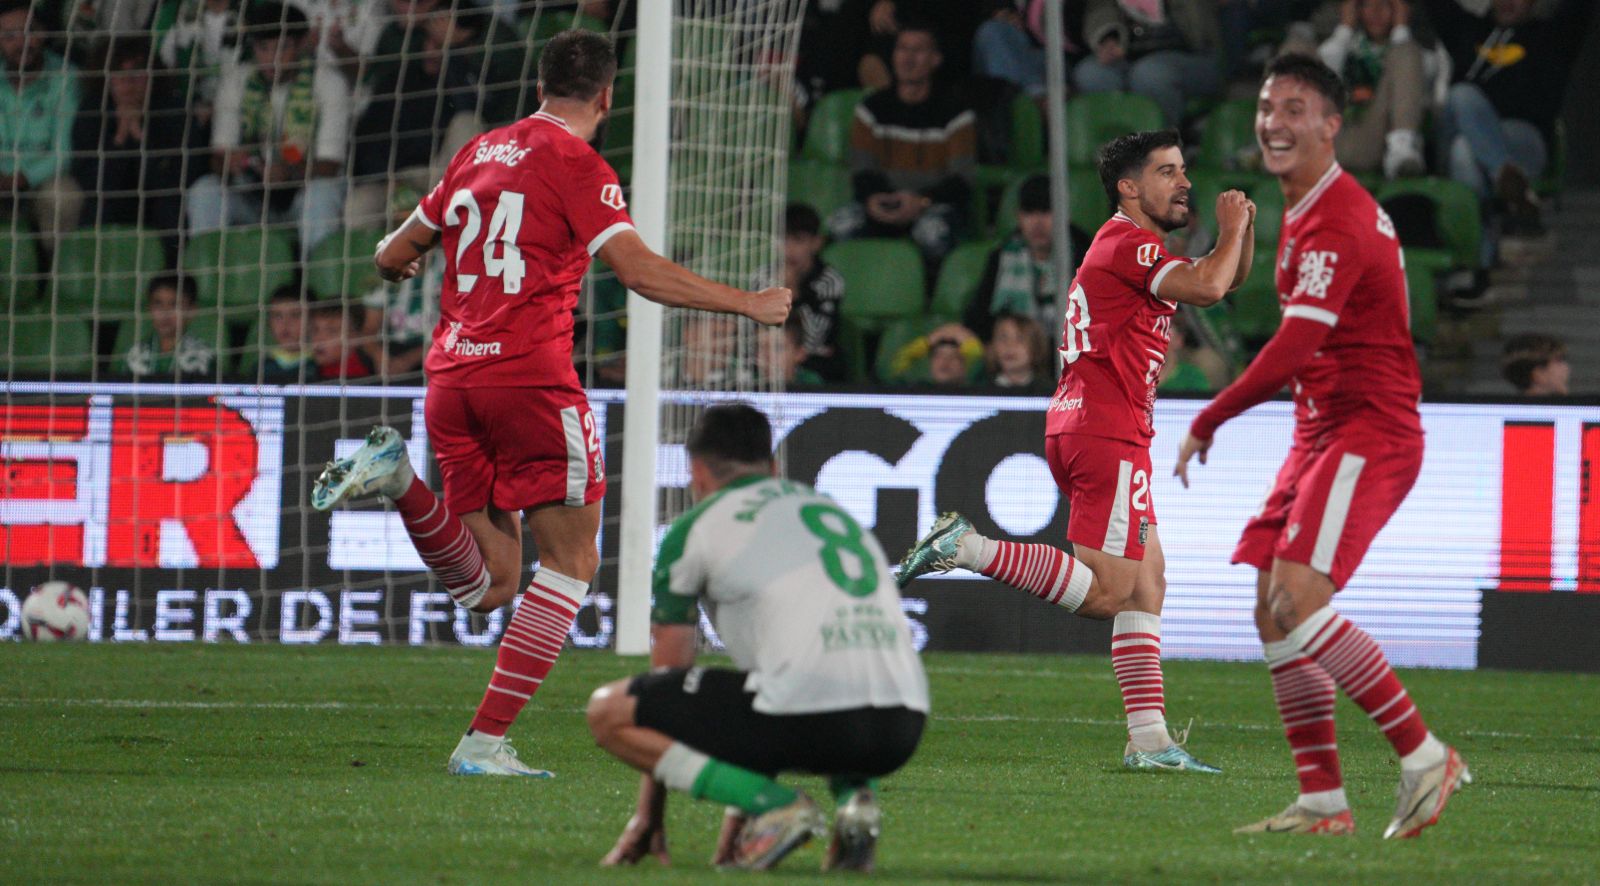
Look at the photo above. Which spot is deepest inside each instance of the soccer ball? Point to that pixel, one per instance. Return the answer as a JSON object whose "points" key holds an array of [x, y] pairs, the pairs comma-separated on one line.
{"points": [[55, 611]]}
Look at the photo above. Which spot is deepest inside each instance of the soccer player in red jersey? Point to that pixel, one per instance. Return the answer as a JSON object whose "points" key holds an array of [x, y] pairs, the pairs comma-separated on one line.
{"points": [[1345, 344], [1098, 428], [520, 211]]}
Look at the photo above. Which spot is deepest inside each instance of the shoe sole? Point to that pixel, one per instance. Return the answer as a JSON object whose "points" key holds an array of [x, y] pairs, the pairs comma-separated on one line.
{"points": [[902, 576], [475, 769], [1447, 789], [353, 469]]}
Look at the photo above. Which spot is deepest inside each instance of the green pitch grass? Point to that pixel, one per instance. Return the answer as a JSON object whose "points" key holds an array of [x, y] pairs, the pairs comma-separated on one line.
{"points": [[325, 765]]}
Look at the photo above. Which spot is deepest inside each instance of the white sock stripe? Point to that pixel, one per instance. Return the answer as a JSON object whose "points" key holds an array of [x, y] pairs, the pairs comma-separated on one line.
{"points": [[1311, 749], [1138, 641], [505, 673], [1136, 622], [1312, 627], [1371, 678], [1410, 710], [1337, 659], [1399, 696], [522, 695], [1280, 652], [1305, 721]]}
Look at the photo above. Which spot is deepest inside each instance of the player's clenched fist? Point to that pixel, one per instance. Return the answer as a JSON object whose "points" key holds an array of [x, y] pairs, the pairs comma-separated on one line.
{"points": [[769, 307], [1234, 212]]}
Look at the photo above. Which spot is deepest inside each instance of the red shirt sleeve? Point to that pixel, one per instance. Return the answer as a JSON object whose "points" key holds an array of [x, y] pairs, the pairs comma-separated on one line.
{"points": [[592, 199], [1142, 260], [1327, 266], [1291, 346]]}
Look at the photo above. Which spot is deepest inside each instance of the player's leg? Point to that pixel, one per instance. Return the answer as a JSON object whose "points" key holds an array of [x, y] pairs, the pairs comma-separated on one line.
{"points": [[1108, 522], [693, 730], [1333, 537], [1136, 662]]}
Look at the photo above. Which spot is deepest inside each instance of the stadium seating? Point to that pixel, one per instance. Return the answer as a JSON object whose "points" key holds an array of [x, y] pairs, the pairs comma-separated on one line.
{"points": [[19, 266], [1254, 307], [1436, 214], [828, 132], [102, 274], [1230, 137], [883, 280], [959, 278], [822, 185], [1086, 209], [239, 267], [1098, 117], [342, 267], [41, 346]]}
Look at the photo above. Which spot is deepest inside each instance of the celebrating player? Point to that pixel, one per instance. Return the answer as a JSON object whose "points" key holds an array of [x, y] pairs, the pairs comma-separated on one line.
{"points": [[826, 682], [1345, 342], [520, 211], [1099, 426]]}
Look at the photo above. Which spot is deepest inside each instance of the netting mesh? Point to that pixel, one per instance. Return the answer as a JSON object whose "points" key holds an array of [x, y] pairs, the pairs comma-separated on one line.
{"points": [[191, 205]]}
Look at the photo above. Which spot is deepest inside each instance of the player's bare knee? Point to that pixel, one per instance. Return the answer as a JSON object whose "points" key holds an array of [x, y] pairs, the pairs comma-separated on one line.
{"points": [[1281, 601], [608, 710]]}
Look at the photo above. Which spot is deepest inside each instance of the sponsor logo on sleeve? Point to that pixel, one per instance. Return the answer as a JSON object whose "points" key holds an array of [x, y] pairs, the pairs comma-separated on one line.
{"points": [[1316, 273], [1149, 254], [611, 195]]}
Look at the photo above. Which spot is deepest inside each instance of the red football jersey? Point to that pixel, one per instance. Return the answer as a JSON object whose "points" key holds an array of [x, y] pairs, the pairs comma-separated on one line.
{"points": [[521, 209], [1339, 263], [1114, 340]]}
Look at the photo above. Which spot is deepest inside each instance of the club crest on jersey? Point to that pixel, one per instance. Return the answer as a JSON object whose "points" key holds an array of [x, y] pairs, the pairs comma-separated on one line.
{"points": [[611, 195], [1316, 273], [1148, 254]]}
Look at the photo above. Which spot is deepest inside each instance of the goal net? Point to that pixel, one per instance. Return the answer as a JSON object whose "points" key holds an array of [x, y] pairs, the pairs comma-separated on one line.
{"points": [[192, 324]]}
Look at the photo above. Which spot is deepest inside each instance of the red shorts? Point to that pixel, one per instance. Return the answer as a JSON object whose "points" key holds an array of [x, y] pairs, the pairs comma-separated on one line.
{"points": [[1107, 485], [1328, 504], [515, 448]]}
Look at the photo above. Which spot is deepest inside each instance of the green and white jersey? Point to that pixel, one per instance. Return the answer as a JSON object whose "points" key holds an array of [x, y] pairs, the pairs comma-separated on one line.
{"points": [[800, 594]]}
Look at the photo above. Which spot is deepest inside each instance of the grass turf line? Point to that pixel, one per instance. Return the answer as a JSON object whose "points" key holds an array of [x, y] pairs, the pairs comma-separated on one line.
{"points": [[325, 764]]}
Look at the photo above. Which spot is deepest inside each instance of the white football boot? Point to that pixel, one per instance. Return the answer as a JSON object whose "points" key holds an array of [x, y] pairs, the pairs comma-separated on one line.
{"points": [[479, 754], [380, 466]]}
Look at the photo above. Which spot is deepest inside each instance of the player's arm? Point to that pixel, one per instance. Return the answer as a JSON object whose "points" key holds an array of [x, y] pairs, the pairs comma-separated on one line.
{"points": [[665, 282], [1247, 248], [1207, 279], [399, 255]]}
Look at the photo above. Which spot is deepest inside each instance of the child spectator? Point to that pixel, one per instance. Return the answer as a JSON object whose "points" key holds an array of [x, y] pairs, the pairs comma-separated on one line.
{"points": [[336, 358], [168, 350], [1536, 365], [1019, 355], [286, 362], [947, 365], [968, 351], [786, 355], [818, 292], [1182, 372], [398, 318]]}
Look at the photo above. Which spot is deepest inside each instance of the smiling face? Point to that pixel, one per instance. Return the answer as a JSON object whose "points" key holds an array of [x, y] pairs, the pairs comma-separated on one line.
{"points": [[1294, 127], [1162, 189]]}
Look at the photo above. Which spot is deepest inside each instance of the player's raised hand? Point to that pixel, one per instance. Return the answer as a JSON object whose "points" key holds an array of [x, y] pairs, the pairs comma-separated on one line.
{"points": [[643, 836], [1189, 448], [1233, 214], [769, 307]]}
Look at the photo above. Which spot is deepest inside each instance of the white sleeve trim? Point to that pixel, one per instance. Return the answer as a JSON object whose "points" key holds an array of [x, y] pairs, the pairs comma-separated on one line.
{"points": [[1155, 282], [1307, 312], [601, 238], [421, 216]]}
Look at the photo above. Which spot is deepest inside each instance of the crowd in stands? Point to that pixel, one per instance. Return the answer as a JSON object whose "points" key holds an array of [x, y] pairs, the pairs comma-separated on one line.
{"points": [[919, 237]]}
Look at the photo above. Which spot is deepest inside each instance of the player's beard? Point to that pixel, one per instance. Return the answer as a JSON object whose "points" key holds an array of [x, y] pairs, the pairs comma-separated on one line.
{"points": [[599, 139], [1174, 218]]}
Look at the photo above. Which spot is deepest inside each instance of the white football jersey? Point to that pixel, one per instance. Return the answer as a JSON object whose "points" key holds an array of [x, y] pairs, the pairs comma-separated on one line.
{"points": [[800, 594]]}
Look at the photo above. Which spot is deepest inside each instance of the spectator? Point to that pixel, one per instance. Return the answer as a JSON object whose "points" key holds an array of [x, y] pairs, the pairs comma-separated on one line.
{"points": [[708, 358], [335, 356], [286, 362], [1003, 49], [1020, 276], [1182, 373], [1158, 48], [129, 144], [968, 352], [368, 48], [1499, 120], [398, 318], [948, 366], [169, 350], [1374, 50], [785, 354], [37, 104], [1019, 355], [913, 150], [203, 37], [429, 106], [279, 135], [1536, 365], [818, 292]]}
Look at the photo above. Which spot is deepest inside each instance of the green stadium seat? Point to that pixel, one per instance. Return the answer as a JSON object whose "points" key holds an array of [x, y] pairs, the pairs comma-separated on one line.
{"points": [[1423, 267], [550, 24], [1027, 135], [19, 265], [341, 266], [853, 344], [1254, 307], [102, 273], [1262, 189], [823, 186], [828, 132], [1098, 117], [959, 278], [1458, 223], [44, 346], [1230, 137], [883, 281], [239, 267], [1086, 200]]}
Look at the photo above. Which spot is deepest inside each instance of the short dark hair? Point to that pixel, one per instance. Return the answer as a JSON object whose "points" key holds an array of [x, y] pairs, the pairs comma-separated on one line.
{"points": [[286, 292], [184, 285], [351, 314], [266, 20], [1126, 156], [729, 435], [913, 23], [577, 64], [1312, 72], [1034, 195], [1527, 352], [800, 218]]}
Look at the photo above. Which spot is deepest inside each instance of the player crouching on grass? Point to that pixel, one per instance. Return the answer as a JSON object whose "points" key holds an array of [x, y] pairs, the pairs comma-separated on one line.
{"points": [[825, 678], [1099, 426]]}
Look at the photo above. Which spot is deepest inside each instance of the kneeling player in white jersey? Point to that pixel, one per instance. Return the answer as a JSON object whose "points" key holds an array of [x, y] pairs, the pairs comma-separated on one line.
{"points": [[1099, 426], [826, 679]]}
